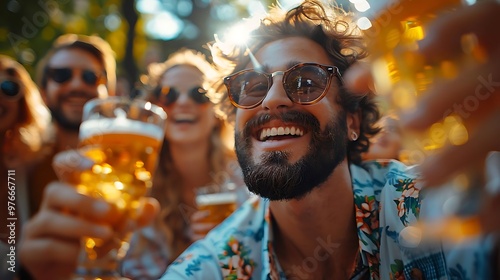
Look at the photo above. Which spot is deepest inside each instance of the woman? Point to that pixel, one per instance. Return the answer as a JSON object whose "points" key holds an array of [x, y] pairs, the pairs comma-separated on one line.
{"points": [[197, 152], [23, 130]]}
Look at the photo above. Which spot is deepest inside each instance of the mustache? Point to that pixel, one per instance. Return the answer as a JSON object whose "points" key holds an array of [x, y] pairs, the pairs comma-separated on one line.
{"points": [[303, 119]]}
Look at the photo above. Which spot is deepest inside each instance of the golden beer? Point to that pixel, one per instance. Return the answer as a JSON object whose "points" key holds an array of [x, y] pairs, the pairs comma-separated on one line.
{"points": [[220, 205], [124, 156], [402, 76]]}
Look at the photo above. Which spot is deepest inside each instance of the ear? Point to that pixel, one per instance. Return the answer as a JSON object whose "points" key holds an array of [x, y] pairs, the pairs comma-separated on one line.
{"points": [[353, 125]]}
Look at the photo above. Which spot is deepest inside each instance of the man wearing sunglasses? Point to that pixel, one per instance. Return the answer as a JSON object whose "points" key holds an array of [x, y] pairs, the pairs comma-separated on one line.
{"points": [[76, 69], [299, 134]]}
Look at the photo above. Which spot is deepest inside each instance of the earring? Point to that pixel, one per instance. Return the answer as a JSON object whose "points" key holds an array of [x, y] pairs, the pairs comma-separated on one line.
{"points": [[354, 136]]}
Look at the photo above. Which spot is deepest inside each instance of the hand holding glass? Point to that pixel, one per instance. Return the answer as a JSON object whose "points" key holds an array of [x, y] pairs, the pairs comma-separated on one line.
{"points": [[402, 76], [220, 201], [121, 139]]}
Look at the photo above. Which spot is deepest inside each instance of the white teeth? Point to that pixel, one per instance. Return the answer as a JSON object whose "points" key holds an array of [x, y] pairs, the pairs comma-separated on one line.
{"points": [[184, 117], [278, 131]]}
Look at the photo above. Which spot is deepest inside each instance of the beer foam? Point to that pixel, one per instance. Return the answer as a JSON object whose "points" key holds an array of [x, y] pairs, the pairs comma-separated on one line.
{"points": [[94, 127], [216, 198]]}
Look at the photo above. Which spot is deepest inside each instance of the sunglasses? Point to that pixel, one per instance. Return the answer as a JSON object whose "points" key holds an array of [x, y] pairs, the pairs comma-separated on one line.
{"points": [[304, 83], [63, 75], [168, 95], [11, 89]]}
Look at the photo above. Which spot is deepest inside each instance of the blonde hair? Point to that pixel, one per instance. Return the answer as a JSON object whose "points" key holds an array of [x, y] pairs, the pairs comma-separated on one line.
{"points": [[171, 221], [24, 141]]}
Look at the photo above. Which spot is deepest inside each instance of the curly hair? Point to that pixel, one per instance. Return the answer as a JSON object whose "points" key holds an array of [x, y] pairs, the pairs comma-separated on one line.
{"points": [[25, 140], [330, 27]]}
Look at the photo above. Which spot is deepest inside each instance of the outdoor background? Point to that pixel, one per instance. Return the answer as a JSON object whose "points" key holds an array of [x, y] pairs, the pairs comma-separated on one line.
{"points": [[139, 31]]}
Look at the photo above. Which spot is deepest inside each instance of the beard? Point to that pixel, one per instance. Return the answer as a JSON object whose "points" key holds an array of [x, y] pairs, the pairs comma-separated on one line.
{"points": [[63, 121], [60, 118], [277, 179]]}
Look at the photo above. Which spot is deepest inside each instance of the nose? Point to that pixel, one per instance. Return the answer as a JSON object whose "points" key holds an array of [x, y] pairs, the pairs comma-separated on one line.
{"points": [[276, 97], [183, 98], [76, 80]]}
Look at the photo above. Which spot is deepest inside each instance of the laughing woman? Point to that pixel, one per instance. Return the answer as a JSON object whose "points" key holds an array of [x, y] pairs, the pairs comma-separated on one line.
{"points": [[197, 152]]}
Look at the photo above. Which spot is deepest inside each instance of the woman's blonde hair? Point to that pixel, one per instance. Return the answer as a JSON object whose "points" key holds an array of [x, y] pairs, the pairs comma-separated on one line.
{"points": [[172, 220], [25, 139]]}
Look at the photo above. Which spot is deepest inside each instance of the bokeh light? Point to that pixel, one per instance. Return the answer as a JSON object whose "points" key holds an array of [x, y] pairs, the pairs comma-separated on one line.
{"points": [[164, 26]]}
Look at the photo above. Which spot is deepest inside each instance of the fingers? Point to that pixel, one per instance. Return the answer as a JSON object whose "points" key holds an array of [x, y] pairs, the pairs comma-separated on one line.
{"points": [[58, 225], [451, 160], [443, 37], [52, 251], [199, 215], [62, 216], [200, 230], [202, 227], [62, 197], [69, 164], [471, 95]]}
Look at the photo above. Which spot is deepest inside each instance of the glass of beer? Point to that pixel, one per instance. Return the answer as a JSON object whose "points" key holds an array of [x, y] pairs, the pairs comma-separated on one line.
{"points": [[220, 201], [120, 140], [402, 76]]}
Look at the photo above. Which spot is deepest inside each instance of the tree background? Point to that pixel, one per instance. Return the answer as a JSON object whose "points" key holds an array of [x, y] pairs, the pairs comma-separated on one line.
{"points": [[28, 28]]}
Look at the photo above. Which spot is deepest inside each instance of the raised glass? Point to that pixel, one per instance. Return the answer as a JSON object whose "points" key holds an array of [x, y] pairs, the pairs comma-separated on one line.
{"points": [[120, 140]]}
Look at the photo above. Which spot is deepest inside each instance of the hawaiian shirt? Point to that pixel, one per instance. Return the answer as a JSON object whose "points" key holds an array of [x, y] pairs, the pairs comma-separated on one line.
{"points": [[387, 204]]}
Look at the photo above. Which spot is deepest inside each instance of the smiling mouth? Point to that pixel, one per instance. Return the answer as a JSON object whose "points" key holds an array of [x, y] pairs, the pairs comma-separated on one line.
{"points": [[279, 133], [184, 118]]}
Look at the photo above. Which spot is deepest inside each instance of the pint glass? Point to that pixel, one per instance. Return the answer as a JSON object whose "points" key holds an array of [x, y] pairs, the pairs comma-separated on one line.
{"points": [[219, 201], [121, 139]]}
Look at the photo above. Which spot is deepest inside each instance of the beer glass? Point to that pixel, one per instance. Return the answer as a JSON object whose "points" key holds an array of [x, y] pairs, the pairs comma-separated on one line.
{"points": [[121, 140], [220, 201], [402, 76]]}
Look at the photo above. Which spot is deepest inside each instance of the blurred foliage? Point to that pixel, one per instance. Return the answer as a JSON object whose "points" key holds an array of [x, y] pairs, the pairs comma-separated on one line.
{"points": [[28, 27]]}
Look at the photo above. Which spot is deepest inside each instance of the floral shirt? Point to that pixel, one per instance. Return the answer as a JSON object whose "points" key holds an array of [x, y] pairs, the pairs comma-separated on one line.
{"points": [[386, 203], [150, 252]]}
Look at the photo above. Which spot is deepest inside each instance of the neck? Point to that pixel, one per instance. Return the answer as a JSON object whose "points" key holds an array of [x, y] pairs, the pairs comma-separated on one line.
{"points": [[66, 139], [322, 225], [192, 163]]}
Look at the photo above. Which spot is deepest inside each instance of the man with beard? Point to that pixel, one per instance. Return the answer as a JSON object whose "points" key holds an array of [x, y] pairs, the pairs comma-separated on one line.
{"points": [[322, 213], [76, 69]]}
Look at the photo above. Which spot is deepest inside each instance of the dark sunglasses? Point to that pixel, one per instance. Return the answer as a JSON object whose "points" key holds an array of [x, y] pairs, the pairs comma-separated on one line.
{"points": [[11, 89], [168, 95], [63, 75], [304, 83]]}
